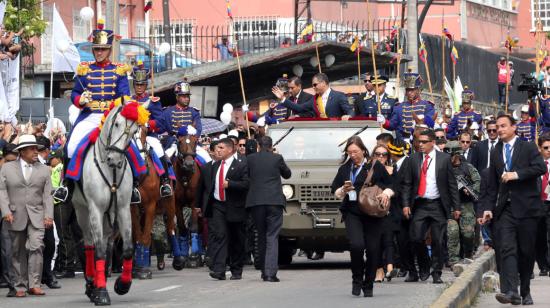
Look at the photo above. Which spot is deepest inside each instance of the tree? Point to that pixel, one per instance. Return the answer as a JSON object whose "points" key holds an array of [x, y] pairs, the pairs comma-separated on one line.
{"points": [[24, 14]]}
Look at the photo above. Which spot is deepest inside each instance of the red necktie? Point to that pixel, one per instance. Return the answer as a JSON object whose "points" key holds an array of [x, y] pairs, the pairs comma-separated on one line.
{"points": [[295, 100], [221, 179], [544, 195], [423, 173]]}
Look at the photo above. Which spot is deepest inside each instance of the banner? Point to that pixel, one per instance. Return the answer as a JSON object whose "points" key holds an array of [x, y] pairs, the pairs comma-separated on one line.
{"points": [[62, 61]]}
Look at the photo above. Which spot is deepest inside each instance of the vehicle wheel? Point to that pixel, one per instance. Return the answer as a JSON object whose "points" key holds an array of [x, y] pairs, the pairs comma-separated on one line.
{"points": [[285, 254]]}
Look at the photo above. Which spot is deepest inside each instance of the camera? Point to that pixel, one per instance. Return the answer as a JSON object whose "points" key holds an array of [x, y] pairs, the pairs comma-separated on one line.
{"points": [[529, 83]]}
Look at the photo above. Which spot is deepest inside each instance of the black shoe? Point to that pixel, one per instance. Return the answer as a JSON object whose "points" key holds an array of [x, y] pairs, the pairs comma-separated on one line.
{"points": [[527, 300], [219, 276], [4, 285], [543, 272], [508, 298], [368, 292], [532, 275], [60, 194], [272, 279], [52, 284], [424, 276], [413, 277], [236, 277], [401, 273], [64, 274], [11, 292], [136, 196], [165, 190], [437, 278]]}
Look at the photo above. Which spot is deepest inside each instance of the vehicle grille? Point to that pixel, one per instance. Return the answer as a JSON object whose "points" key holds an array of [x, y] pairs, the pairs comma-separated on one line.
{"points": [[316, 193]]}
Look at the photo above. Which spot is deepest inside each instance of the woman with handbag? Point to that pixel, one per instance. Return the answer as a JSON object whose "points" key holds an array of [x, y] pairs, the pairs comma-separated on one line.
{"points": [[391, 223], [364, 187]]}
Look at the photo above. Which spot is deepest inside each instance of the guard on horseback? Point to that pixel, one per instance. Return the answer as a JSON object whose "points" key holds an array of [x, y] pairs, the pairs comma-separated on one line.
{"points": [[154, 106], [97, 85], [414, 111], [467, 114]]}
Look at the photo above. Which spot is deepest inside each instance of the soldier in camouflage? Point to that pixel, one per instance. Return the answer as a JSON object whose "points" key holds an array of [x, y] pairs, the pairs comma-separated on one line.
{"points": [[461, 229]]}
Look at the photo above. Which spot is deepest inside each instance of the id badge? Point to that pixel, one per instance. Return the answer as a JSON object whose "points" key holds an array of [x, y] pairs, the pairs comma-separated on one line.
{"points": [[352, 195]]}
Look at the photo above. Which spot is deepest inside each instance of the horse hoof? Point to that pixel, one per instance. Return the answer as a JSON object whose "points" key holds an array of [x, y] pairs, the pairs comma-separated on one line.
{"points": [[89, 291], [122, 288], [160, 262], [178, 263], [101, 297]]}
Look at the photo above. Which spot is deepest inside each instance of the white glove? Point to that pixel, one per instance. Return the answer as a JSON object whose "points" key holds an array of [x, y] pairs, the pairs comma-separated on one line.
{"points": [[474, 126], [380, 119], [85, 98], [245, 107], [444, 125], [261, 122]]}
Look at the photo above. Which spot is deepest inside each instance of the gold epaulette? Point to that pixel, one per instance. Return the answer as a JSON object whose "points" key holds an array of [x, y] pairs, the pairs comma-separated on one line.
{"points": [[122, 69], [83, 68]]}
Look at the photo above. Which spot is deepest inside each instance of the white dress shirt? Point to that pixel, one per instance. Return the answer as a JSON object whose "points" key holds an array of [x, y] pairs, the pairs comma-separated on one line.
{"points": [[324, 97], [399, 163], [466, 153], [511, 143], [489, 148], [431, 181], [25, 165], [228, 163], [547, 162]]}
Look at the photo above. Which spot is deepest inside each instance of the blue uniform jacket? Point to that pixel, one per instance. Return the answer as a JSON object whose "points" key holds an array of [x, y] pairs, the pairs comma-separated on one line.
{"points": [[545, 114], [155, 110], [402, 120], [175, 117], [368, 106], [526, 130], [459, 120]]}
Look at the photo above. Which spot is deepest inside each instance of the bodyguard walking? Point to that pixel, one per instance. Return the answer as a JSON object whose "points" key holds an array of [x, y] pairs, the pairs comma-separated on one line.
{"points": [[26, 203], [514, 205], [266, 201]]}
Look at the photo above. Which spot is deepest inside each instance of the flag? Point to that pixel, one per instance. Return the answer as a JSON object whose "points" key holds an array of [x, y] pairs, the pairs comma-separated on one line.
{"points": [[422, 53], [454, 55], [447, 33], [148, 5], [355, 44], [229, 14], [510, 43], [307, 30], [62, 61], [393, 33]]}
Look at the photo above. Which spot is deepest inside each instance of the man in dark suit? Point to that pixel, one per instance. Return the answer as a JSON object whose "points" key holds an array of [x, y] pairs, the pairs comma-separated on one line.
{"points": [[266, 201], [298, 96], [480, 153], [513, 204], [225, 209], [326, 103], [430, 194], [465, 140]]}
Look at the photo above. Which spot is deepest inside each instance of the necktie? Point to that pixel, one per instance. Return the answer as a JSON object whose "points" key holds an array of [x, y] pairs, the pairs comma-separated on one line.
{"points": [[544, 195], [27, 172], [423, 174], [321, 107], [508, 154], [221, 179], [295, 100]]}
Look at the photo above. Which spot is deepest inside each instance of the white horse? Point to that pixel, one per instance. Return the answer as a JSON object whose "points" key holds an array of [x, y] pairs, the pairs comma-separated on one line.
{"points": [[102, 201]]}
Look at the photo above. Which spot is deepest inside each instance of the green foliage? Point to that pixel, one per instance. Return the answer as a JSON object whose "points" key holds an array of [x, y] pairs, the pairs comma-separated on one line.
{"points": [[28, 16]]}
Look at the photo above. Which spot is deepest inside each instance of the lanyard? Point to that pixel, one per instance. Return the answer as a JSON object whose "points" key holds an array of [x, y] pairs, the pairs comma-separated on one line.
{"points": [[352, 175]]}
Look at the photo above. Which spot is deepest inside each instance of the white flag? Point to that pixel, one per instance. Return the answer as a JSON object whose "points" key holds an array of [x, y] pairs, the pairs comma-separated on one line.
{"points": [[68, 60]]}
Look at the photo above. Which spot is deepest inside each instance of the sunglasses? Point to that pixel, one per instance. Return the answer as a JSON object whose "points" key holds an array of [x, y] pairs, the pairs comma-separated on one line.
{"points": [[378, 154], [242, 145], [491, 130], [314, 84], [424, 141], [439, 137], [546, 148], [465, 141]]}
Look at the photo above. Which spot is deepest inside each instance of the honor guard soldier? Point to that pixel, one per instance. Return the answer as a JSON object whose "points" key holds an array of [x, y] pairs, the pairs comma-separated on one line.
{"points": [[545, 113], [368, 106], [467, 114], [406, 114], [153, 105], [97, 85], [278, 112], [526, 127]]}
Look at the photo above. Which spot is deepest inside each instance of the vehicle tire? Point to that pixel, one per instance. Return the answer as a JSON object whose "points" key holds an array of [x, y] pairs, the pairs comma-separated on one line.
{"points": [[285, 254]]}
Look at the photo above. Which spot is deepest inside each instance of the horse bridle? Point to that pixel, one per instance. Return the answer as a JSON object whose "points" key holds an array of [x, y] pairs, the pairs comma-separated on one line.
{"points": [[109, 147], [183, 155]]}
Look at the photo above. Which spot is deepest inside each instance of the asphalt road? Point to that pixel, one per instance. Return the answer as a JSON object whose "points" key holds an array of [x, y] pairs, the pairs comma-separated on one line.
{"points": [[306, 283]]}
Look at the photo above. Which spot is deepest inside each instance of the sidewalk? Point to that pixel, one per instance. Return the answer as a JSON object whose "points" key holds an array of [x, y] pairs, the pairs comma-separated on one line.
{"points": [[540, 291]]}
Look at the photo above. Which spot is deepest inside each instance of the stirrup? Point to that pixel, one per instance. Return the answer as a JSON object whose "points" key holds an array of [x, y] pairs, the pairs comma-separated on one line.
{"points": [[165, 190], [136, 197], [60, 194]]}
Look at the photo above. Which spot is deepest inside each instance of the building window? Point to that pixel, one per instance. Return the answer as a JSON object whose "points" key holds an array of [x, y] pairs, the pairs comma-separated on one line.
{"points": [[80, 28], [255, 26], [543, 13], [181, 35], [46, 38], [123, 27]]}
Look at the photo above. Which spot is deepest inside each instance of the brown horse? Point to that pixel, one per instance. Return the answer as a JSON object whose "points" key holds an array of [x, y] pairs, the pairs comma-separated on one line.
{"points": [[144, 214], [188, 174]]}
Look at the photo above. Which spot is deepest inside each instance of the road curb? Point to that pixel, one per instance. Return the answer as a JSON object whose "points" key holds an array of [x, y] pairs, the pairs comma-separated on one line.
{"points": [[466, 287]]}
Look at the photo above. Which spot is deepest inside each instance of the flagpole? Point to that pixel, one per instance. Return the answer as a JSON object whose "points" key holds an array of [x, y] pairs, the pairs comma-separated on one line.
{"points": [[397, 80], [508, 79], [454, 68], [50, 110], [538, 46], [426, 66], [358, 52], [374, 66], [318, 59]]}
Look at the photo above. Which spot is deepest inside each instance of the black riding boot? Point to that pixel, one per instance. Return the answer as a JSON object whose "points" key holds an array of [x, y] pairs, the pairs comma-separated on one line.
{"points": [[165, 188], [136, 196]]}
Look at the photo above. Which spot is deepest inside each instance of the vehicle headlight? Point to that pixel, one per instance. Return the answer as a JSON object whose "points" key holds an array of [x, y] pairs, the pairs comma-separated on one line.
{"points": [[288, 191]]}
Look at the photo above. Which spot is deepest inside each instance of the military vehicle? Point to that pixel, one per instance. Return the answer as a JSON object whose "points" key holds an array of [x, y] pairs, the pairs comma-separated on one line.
{"points": [[313, 150]]}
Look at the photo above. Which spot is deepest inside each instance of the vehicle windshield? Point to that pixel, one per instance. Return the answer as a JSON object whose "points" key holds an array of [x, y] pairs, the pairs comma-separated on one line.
{"points": [[318, 143]]}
